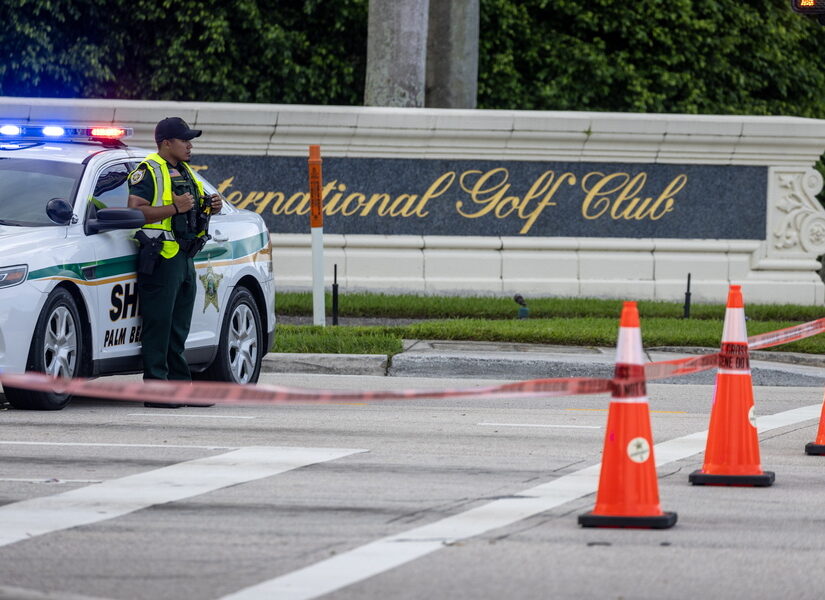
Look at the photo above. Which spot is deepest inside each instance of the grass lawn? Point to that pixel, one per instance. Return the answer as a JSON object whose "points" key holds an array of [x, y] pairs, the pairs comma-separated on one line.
{"points": [[562, 321]]}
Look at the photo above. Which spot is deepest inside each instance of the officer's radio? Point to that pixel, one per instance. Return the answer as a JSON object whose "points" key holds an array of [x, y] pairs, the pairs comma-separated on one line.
{"points": [[203, 212]]}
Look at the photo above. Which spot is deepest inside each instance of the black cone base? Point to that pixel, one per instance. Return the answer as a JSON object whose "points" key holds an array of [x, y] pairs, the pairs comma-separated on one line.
{"points": [[765, 479], [663, 521], [815, 449]]}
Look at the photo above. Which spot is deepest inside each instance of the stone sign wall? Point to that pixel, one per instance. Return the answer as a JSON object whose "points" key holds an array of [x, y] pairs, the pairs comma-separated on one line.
{"points": [[378, 196], [495, 202]]}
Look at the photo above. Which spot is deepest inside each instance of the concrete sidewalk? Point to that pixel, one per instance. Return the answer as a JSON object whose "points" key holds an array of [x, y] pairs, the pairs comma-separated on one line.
{"points": [[499, 360]]}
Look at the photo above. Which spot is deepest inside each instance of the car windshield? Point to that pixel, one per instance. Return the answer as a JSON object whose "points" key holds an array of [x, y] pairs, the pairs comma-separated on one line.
{"points": [[26, 186]]}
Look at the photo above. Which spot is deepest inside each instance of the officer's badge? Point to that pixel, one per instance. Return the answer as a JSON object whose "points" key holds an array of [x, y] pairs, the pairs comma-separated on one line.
{"points": [[210, 282], [137, 176]]}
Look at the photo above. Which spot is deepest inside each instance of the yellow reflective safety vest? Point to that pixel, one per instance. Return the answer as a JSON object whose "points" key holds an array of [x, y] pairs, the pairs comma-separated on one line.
{"points": [[159, 169]]}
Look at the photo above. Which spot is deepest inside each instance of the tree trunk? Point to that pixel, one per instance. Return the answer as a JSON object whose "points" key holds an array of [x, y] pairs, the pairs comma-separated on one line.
{"points": [[397, 53], [452, 54]]}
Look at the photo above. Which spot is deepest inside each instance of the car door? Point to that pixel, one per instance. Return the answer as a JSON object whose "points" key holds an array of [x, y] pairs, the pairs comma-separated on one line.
{"points": [[215, 273], [113, 275]]}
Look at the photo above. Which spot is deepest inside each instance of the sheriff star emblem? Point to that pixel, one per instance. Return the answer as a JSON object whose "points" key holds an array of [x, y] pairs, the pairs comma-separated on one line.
{"points": [[210, 281], [137, 176]]}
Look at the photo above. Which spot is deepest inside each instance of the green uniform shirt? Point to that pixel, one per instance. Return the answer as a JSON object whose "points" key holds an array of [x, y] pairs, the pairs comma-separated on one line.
{"points": [[181, 183]]}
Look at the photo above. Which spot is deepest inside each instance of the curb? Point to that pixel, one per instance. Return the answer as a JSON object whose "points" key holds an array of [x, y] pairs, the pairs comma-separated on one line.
{"points": [[790, 358], [326, 364], [780, 369]]}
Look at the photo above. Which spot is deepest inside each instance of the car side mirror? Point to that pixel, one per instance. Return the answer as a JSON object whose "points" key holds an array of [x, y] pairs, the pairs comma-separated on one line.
{"points": [[59, 211], [115, 218]]}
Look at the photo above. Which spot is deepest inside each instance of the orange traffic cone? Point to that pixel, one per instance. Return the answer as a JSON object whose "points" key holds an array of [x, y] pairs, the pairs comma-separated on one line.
{"points": [[628, 494], [732, 450], [818, 445]]}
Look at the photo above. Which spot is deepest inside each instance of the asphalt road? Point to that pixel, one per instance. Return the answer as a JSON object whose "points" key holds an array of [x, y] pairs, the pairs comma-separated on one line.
{"points": [[449, 498]]}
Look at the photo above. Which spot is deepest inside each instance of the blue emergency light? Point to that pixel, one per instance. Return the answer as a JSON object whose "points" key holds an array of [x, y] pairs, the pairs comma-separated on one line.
{"points": [[57, 132]]}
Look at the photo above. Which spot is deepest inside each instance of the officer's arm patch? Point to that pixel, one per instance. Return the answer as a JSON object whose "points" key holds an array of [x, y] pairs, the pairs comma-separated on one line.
{"points": [[137, 176]]}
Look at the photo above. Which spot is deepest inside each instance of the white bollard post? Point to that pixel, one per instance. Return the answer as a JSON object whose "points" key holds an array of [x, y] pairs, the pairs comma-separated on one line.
{"points": [[316, 223]]}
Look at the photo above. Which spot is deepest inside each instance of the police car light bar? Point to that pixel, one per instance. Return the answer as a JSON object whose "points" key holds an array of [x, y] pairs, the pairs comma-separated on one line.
{"points": [[54, 132]]}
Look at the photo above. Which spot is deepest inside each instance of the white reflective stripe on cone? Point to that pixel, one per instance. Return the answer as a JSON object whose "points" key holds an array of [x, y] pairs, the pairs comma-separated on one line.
{"points": [[735, 329], [629, 346]]}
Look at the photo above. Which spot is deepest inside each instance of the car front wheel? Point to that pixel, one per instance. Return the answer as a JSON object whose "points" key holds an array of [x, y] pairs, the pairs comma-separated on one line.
{"points": [[56, 349], [241, 346]]}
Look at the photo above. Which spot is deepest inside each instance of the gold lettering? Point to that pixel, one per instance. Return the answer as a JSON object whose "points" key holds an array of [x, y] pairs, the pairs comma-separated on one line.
{"points": [[667, 196], [302, 208], [251, 198], [507, 205], [225, 184], [234, 197], [629, 204], [329, 205], [629, 191], [618, 195], [436, 189], [375, 198], [600, 189], [488, 197], [345, 210], [257, 200], [396, 210], [537, 190], [261, 206], [279, 200]]}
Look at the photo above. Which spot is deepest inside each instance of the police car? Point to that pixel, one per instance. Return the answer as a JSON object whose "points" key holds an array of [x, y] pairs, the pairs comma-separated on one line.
{"points": [[68, 294]]}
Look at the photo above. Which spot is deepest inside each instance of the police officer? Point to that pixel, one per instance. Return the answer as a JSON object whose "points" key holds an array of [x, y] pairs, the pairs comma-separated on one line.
{"points": [[165, 189]]}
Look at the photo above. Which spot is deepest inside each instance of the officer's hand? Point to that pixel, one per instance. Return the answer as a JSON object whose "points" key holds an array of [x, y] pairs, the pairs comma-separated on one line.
{"points": [[217, 203], [184, 202]]}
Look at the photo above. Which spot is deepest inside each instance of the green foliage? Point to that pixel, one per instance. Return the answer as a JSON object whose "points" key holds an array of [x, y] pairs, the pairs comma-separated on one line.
{"points": [[411, 306], [590, 331], [680, 56], [291, 51], [560, 321], [47, 49], [335, 340]]}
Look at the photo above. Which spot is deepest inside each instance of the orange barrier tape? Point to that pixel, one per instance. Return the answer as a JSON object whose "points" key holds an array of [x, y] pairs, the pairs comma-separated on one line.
{"points": [[784, 336], [681, 366], [176, 392]]}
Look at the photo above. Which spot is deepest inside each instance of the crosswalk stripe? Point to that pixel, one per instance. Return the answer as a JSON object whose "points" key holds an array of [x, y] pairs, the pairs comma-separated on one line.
{"points": [[109, 499], [379, 556]]}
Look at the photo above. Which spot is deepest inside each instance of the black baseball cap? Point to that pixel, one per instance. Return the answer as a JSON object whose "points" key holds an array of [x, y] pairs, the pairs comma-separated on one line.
{"points": [[174, 128]]}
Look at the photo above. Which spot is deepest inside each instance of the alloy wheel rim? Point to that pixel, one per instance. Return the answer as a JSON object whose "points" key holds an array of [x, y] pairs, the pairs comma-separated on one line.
{"points": [[60, 343], [243, 344]]}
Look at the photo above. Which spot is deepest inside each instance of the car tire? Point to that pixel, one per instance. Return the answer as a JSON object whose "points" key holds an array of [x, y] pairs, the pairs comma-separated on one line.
{"points": [[241, 346], [56, 349]]}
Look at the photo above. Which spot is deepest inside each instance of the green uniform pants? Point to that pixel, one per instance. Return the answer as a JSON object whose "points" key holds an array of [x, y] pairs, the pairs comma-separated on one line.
{"points": [[167, 298]]}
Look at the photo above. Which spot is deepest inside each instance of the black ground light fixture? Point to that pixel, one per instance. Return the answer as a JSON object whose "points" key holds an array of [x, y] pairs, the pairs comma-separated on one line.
{"points": [[335, 295], [523, 311]]}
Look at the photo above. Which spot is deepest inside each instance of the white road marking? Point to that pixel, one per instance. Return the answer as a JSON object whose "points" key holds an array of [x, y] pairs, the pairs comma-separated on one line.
{"points": [[382, 555], [96, 445], [15, 593], [110, 499], [540, 425], [187, 416], [41, 480]]}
